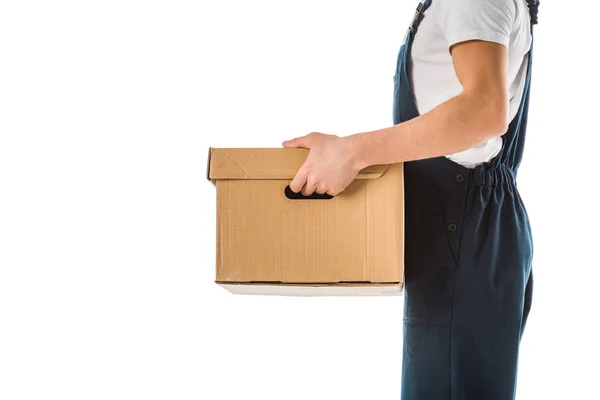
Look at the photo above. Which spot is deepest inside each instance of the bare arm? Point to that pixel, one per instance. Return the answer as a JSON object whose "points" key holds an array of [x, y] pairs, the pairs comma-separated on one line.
{"points": [[479, 113]]}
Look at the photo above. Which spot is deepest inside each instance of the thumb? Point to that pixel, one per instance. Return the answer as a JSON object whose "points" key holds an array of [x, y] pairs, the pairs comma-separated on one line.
{"points": [[296, 142]]}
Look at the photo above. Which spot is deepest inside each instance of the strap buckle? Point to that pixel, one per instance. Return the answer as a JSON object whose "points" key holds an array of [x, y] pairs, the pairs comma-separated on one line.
{"points": [[533, 10], [416, 21]]}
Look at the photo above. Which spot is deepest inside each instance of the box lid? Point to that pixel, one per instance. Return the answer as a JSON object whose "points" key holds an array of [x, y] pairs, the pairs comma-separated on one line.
{"points": [[265, 163]]}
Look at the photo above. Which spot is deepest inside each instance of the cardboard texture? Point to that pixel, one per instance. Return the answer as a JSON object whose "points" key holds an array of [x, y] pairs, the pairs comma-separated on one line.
{"points": [[267, 243]]}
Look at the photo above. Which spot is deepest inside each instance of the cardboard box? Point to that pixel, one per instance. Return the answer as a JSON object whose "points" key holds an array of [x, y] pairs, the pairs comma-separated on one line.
{"points": [[270, 243]]}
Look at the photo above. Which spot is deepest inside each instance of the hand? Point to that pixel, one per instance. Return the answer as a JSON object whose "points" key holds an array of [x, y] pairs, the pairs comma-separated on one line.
{"points": [[330, 166]]}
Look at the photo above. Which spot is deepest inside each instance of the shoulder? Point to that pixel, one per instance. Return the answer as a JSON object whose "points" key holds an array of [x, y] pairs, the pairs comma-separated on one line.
{"points": [[492, 20], [506, 9]]}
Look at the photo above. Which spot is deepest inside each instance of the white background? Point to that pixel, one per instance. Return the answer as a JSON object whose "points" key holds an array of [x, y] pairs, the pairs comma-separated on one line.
{"points": [[107, 109]]}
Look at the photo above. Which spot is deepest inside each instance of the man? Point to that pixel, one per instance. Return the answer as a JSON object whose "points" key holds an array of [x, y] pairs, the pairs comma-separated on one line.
{"points": [[461, 99]]}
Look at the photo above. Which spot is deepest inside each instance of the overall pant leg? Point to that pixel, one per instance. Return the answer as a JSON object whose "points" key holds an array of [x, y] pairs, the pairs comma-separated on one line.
{"points": [[468, 281]]}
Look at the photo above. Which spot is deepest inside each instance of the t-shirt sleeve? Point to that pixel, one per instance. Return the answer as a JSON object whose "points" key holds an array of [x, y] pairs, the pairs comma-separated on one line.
{"points": [[489, 20]]}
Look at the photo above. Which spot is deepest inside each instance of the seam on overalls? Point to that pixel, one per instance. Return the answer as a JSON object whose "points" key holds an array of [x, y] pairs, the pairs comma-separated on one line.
{"points": [[462, 222], [455, 259], [443, 227], [450, 333]]}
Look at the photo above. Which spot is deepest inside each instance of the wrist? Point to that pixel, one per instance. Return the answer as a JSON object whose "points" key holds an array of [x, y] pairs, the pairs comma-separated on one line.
{"points": [[358, 145]]}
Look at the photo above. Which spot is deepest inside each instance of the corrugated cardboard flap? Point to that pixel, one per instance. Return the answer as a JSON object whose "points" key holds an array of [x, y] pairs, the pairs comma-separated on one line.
{"points": [[266, 163]]}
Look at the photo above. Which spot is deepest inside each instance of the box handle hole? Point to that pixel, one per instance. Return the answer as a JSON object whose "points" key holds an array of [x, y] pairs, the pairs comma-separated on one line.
{"points": [[290, 194]]}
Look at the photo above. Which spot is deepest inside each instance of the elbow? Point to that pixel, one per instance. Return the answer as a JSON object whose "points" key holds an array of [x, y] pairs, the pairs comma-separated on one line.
{"points": [[487, 114], [495, 119], [497, 123]]}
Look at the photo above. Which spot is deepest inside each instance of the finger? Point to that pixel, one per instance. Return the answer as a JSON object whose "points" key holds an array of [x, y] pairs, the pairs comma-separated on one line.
{"points": [[318, 190], [335, 192], [299, 180], [301, 141], [309, 187]]}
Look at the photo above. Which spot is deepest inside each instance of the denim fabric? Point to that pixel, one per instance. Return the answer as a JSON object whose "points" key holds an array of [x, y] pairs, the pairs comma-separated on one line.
{"points": [[468, 276]]}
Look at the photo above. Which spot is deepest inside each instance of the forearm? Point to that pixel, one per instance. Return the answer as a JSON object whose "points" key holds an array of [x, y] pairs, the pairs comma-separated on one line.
{"points": [[455, 125]]}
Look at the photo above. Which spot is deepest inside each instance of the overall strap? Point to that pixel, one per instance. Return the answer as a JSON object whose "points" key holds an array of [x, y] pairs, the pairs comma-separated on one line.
{"points": [[416, 21], [423, 5], [404, 103], [534, 6], [514, 140]]}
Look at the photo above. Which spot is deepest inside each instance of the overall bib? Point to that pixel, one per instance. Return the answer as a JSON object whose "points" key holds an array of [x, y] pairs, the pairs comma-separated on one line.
{"points": [[468, 278]]}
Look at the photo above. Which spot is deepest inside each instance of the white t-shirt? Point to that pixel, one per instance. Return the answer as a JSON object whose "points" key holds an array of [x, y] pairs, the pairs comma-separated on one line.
{"points": [[447, 22]]}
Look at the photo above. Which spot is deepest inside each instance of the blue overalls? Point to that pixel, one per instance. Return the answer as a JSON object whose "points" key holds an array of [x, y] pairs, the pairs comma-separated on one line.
{"points": [[468, 279]]}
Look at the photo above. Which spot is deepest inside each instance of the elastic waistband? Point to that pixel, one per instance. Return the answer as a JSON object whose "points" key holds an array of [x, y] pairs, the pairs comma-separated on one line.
{"points": [[444, 173], [486, 175]]}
